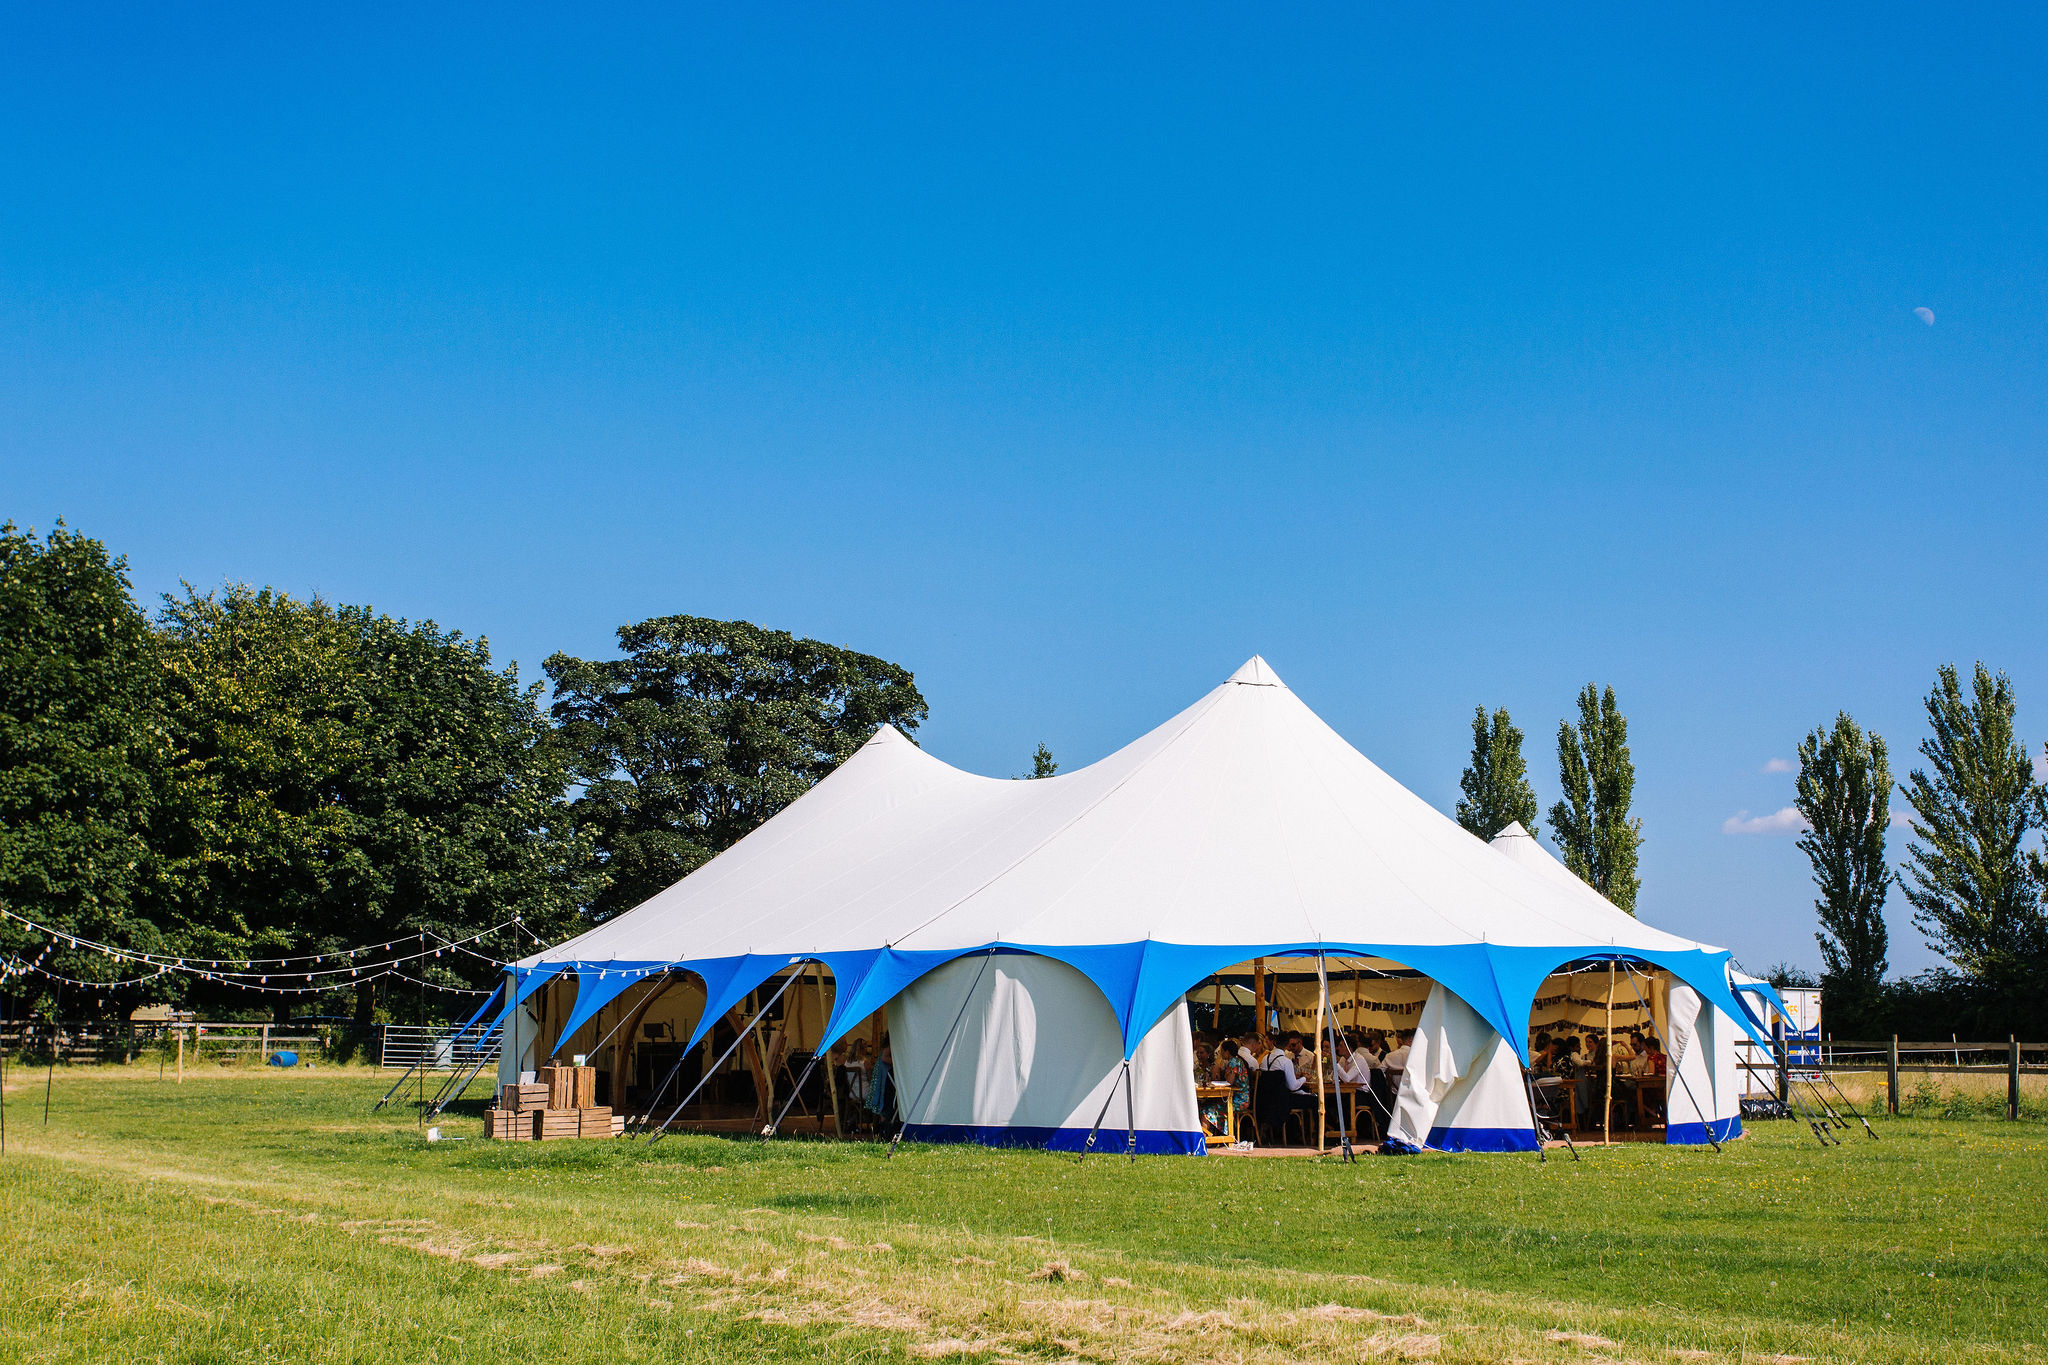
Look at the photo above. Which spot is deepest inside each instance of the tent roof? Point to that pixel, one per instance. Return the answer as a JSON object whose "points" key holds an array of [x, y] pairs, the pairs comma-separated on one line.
{"points": [[1242, 825], [1243, 820]]}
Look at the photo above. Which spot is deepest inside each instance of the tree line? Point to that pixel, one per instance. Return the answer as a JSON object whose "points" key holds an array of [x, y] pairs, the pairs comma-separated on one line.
{"points": [[243, 773], [1974, 870]]}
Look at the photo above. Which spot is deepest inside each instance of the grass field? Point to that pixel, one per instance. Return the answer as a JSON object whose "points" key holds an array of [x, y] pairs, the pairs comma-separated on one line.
{"points": [[270, 1216]]}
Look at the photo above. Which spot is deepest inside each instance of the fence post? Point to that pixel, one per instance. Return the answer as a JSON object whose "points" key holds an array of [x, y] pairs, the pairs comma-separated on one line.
{"points": [[2012, 1076], [1892, 1078]]}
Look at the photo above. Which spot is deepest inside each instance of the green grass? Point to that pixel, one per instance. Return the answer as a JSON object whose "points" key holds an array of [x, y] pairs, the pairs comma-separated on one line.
{"points": [[255, 1216]]}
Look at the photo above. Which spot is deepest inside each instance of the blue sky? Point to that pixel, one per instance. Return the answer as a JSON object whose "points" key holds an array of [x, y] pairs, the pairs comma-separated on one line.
{"points": [[1070, 357]]}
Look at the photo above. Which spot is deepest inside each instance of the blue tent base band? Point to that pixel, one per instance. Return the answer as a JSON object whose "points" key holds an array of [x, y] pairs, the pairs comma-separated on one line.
{"points": [[1482, 1140], [1695, 1134], [1108, 1142]]}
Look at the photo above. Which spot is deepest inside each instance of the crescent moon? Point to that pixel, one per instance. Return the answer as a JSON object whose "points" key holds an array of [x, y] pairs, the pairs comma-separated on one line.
{"points": [[1925, 315]]}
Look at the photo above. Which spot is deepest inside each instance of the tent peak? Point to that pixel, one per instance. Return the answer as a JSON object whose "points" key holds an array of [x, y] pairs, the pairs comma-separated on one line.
{"points": [[1513, 830], [1256, 672], [886, 733]]}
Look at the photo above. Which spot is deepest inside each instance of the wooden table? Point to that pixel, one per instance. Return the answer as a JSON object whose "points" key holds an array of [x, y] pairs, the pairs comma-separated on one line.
{"points": [[1335, 1108], [1225, 1093]]}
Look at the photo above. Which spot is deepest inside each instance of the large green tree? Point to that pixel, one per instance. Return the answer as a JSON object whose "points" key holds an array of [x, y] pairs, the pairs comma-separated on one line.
{"points": [[1974, 889], [1496, 779], [704, 730], [1592, 826], [348, 778], [82, 748], [1844, 791]]}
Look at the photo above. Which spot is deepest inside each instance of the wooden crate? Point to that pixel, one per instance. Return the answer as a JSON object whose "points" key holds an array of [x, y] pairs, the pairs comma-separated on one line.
{"points": [[594, 1123], [586, 1086], [559, 1123], [618, 1125], [561, 1085], [509, 1124], [523, 1098]]}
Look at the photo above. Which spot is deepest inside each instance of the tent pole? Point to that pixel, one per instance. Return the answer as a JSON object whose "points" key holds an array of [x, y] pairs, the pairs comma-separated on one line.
{"points": [[1216, 1011], [1678, 1070], [1535, 1123], [56, 1041], [940, 1056], [831, 1072], [739, 1037], [1259, 997], [1344, 1112], [1130, 1114], [622, 1037], [1607, 1052], [809, 1066]]}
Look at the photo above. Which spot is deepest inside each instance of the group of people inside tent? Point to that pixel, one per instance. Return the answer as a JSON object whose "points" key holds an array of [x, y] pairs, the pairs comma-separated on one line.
{"points": [[1579, 1058], [1371, 1060]]}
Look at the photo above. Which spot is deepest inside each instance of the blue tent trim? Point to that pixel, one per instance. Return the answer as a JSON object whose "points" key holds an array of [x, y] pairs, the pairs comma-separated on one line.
{"points": [[1111, 1140], [597, 985], [1696, 1134], [1142, 980], [1482, 1140], [530, 980]]}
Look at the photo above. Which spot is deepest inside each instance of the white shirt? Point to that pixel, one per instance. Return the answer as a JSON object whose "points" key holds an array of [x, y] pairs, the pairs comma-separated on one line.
{"points": [[1355, 1069], [1397, 1060]]}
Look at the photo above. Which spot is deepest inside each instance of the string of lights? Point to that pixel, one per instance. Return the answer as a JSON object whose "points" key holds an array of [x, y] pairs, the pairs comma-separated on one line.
{"points": [[253, 972]]}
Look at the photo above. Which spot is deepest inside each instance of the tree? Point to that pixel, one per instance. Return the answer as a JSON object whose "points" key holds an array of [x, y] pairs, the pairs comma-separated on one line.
{"points": [[1975, 892], [1845, 794], [82, 748], [1496, 780], [704, 730], [1042, 764], [348, 778], [1592, 825]]}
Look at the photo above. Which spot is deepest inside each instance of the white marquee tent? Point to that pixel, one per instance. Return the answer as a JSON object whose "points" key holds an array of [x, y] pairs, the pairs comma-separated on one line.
{"points": [[1033, 940]]}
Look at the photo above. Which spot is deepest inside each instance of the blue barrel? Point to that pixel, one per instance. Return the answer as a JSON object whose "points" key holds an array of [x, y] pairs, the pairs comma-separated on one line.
{"points": [[284, 1059]]}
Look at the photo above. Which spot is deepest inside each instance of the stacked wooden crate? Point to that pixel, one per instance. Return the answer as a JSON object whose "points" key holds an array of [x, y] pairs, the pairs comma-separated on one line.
{"points": [[561, 1102], [517, 1117]]}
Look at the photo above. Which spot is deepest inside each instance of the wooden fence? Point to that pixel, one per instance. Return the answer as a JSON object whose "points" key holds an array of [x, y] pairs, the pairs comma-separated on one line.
{"points": [[1795, 1057]]}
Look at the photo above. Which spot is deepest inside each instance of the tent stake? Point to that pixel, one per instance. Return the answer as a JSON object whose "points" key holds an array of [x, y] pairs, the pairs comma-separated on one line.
{"points": [[1851, 1105], [897, 1138], [1100, 1114], [705, 1079]]}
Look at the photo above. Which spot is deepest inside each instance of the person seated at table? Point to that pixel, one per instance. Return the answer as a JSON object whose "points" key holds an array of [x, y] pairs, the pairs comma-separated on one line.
{"points": [[1253, 1047], [1230, 1069], [1396, 1062], [1282, 1061], [1354, 1064], [1374, 1046], [1655, 1050]]}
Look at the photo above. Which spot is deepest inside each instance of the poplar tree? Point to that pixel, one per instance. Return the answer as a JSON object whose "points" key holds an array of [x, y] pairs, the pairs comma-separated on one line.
{"points": [[1975, 892], [1844, 792], [1496, 780], [1591, 826], [1042, 764]]}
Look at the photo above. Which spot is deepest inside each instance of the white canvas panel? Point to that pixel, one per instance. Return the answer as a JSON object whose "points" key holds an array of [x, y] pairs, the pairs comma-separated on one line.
{"points": [[1244, 815], [1034, 1051]]}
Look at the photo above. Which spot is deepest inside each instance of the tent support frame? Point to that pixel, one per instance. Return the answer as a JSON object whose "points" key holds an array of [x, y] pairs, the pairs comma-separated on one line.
{"points": [[1344, 1111], [1677, 1067], [897, 1139], [705, 1079]]}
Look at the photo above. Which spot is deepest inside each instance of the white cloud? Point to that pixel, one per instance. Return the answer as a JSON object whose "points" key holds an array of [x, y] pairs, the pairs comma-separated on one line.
{"points": [[1786, 821], [1781, 765]]}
